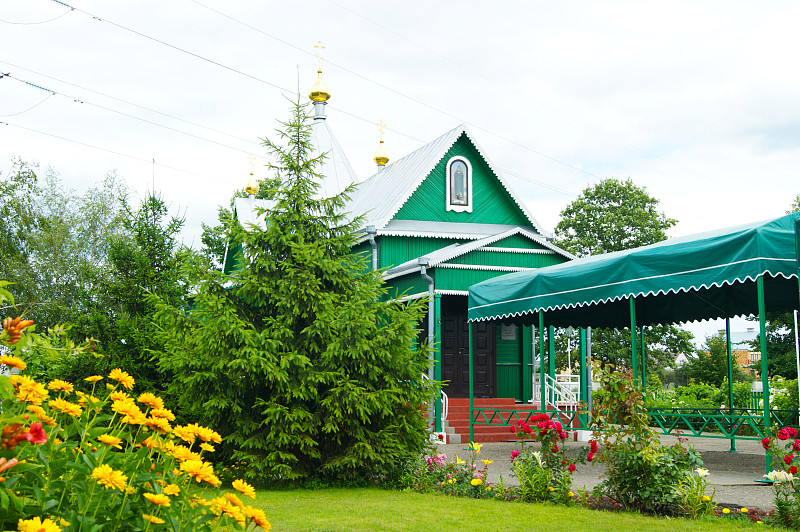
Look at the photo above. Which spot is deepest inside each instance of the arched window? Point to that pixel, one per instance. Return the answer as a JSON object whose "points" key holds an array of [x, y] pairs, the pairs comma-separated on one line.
{"points": [[459, 185]]}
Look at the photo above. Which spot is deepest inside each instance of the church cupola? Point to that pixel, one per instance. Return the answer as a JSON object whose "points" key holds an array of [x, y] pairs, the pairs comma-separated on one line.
{"points": [[381, 155], [252, 187], [319, 93]]}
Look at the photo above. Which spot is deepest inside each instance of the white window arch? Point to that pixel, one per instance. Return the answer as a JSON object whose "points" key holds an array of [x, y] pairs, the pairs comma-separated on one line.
{"points": [[458, 185]]}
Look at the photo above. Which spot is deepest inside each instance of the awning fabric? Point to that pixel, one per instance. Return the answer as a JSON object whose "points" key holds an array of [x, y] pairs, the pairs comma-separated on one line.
{"points": [[702, 276]]}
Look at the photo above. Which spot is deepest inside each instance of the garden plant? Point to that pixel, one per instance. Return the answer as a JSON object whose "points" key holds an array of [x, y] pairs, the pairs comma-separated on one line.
{"points": [[92, 456]]}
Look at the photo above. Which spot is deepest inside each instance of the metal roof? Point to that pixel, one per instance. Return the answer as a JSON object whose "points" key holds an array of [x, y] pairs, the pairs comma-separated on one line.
{"points": [[247, 213], [335, 168], [382, 195]]}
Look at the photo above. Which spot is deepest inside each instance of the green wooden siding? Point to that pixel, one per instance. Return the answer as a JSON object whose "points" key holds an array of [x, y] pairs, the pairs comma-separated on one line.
{"points": [[491, 203], [452, 279], [499, 258], [394, 250], [518, 241], [509, 365], [407, 285]]}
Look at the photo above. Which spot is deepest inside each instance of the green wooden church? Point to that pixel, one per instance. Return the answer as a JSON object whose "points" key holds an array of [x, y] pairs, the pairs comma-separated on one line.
{"points": [[435, 222]]}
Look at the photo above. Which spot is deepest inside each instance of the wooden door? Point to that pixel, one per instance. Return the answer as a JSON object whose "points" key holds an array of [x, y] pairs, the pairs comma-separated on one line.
{"points": [[455, 355]]}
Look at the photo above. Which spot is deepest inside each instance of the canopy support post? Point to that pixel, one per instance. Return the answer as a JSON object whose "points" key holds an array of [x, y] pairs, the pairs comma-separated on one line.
{"points": [[471, 387], [644, 363], [634, 354], [543, 382], [437, 359], [762, 322], [731, 413], [584, 375], [527, 363], [551, 358]]}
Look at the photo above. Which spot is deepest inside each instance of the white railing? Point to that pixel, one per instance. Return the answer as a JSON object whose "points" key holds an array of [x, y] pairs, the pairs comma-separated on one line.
{"points": [[561, 392], [445, 410]]}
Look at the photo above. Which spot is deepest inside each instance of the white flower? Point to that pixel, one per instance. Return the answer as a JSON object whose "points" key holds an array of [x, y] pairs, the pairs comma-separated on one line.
{"points": [[701, 472], [779, 476], [538, 457]]}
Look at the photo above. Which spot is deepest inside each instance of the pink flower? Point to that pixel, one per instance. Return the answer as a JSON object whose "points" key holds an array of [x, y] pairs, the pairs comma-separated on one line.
{"points": [[36, 434], [788, 459], [514, 454], [765, 443], [593, 446], [590, 457], [555, 449], [571, 468]]}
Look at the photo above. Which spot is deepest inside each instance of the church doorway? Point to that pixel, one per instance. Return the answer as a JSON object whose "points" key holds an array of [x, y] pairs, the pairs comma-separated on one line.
{"points": [[455, 355]]}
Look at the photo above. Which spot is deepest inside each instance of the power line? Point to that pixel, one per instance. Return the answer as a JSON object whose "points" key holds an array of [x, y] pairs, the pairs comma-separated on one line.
{"points": [[29, 108], [42, 21]]}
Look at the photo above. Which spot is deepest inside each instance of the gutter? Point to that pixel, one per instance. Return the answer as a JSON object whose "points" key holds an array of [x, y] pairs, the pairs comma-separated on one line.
{"points": [[371, 232]]}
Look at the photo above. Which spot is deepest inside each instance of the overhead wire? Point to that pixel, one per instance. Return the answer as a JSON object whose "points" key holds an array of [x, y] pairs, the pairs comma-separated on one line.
{"points": [[41, 21]]}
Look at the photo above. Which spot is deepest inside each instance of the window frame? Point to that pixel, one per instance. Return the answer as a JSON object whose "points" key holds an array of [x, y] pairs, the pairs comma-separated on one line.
{"points": [[448, 182]]}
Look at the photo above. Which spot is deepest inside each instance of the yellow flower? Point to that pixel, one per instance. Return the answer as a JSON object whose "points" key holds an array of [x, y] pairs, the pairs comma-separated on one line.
{"points": [[151, 400], [13, 362], [66, 407], [570, 494], [258, 516], [234, 499], [109, 478], [207, 434], [163, 413], [207, 447], [29, 390], [108, 439], [550, 488], [451, 481], [726, 511], [153, 519], [222, 505], [119, 396], [475, 447], [744, 510], [185, 433], [487, 462], [122, 377], [37, 525], [58, 385], [244, 488], [157, 498], [181, 453], [476, 481], [93, 378], [171, 489], [126, 407], [459, 460], [705, 498], [158, 424], [130, 490], [201, 471], [89, 401]]}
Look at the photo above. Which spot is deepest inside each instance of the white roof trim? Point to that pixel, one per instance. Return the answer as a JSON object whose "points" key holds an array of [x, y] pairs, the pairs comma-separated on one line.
{"points": [[484, 268], [453, 292], [518, 250]]}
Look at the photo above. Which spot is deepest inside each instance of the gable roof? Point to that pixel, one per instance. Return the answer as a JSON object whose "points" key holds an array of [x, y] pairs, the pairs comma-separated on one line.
{"points": [[382, 195], [452, 251], [335, 167]]}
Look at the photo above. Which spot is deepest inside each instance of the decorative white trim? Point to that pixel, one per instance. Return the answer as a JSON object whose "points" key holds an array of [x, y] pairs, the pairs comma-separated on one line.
{"points": [[447, 183], [635, 294], [410, 297], [518, 250], [453, 292], [485, 268]]}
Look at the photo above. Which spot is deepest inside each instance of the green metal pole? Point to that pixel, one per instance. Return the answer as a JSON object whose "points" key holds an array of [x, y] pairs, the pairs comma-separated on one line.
{"points": [[634, 355], [762, 322], [584, 370], [527, 363], [437, 356], [644, 363], [551, 356], [542, 383], [471, 390], [731, 413]]}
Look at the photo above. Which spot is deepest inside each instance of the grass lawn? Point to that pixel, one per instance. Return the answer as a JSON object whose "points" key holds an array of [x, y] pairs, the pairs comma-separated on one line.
{"points": [[376, 509]]}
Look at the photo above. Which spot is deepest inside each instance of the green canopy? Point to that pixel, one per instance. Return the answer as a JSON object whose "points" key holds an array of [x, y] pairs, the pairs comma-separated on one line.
{"points": [[702, 276]]}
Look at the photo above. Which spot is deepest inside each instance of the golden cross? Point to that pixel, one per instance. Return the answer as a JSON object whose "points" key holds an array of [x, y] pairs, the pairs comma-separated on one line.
{"points": [[319, 48], [252, 160], [381, 125]]}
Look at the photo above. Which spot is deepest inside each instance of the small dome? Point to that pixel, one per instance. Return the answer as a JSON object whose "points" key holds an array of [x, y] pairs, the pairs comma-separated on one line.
{"points": [[381, 156], [252, 186], [319, 91]]}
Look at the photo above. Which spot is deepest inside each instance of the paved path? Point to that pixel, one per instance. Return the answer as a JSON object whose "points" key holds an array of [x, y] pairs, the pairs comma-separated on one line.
{"points": [[734, 476]]}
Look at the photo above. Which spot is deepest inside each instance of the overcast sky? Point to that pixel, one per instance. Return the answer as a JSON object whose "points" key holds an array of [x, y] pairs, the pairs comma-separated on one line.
{"points": [[696, 101]]}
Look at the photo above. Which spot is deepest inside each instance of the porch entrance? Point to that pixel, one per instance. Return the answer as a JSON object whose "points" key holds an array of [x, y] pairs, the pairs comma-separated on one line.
{"points": [[455, 355]]}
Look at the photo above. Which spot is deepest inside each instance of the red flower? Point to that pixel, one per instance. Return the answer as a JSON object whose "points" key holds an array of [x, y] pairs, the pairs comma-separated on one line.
{"points": [[783, 434], [796, 445], [571, 468], [36, 435], [590, 457], [788, 459], [539, 417], [793, 470], [514, 453], [765, 443], [593, 446], [555, 449]]}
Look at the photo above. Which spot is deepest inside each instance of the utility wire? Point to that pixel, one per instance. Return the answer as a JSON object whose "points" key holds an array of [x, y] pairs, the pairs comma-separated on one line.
{"points": [[80, 101], [135, 158], [150, 109], [291, 92], [42, 21], [29, 108]]}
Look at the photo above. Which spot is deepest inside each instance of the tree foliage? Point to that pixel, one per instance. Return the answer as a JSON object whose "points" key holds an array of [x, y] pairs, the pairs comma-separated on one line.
{"points": [[614, 215], [611, 216], [298, 358], [710, 364]]}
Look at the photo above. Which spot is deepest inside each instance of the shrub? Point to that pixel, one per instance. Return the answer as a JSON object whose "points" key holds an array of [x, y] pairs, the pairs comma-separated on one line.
{"points": [[641, 474], [784, 446], [97, 460], [457, 477]]}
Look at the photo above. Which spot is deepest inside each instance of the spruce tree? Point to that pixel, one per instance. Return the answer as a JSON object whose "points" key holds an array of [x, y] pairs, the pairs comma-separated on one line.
{"points": [[299, 358]]}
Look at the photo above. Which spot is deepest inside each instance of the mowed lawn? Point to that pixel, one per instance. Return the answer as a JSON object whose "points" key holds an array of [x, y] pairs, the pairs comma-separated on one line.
{"points": [[376, 509]]}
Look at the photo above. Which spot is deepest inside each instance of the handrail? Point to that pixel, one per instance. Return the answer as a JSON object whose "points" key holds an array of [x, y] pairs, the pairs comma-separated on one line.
{"points": [[445, 403]]}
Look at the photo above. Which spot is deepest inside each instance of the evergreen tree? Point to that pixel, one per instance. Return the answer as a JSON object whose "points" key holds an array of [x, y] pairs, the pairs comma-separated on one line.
{"points": [[298, 358]]}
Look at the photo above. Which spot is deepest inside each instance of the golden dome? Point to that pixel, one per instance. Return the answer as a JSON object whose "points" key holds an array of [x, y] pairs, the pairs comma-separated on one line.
{"points": [[319, 91], [381, 157], [252, 186]]}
